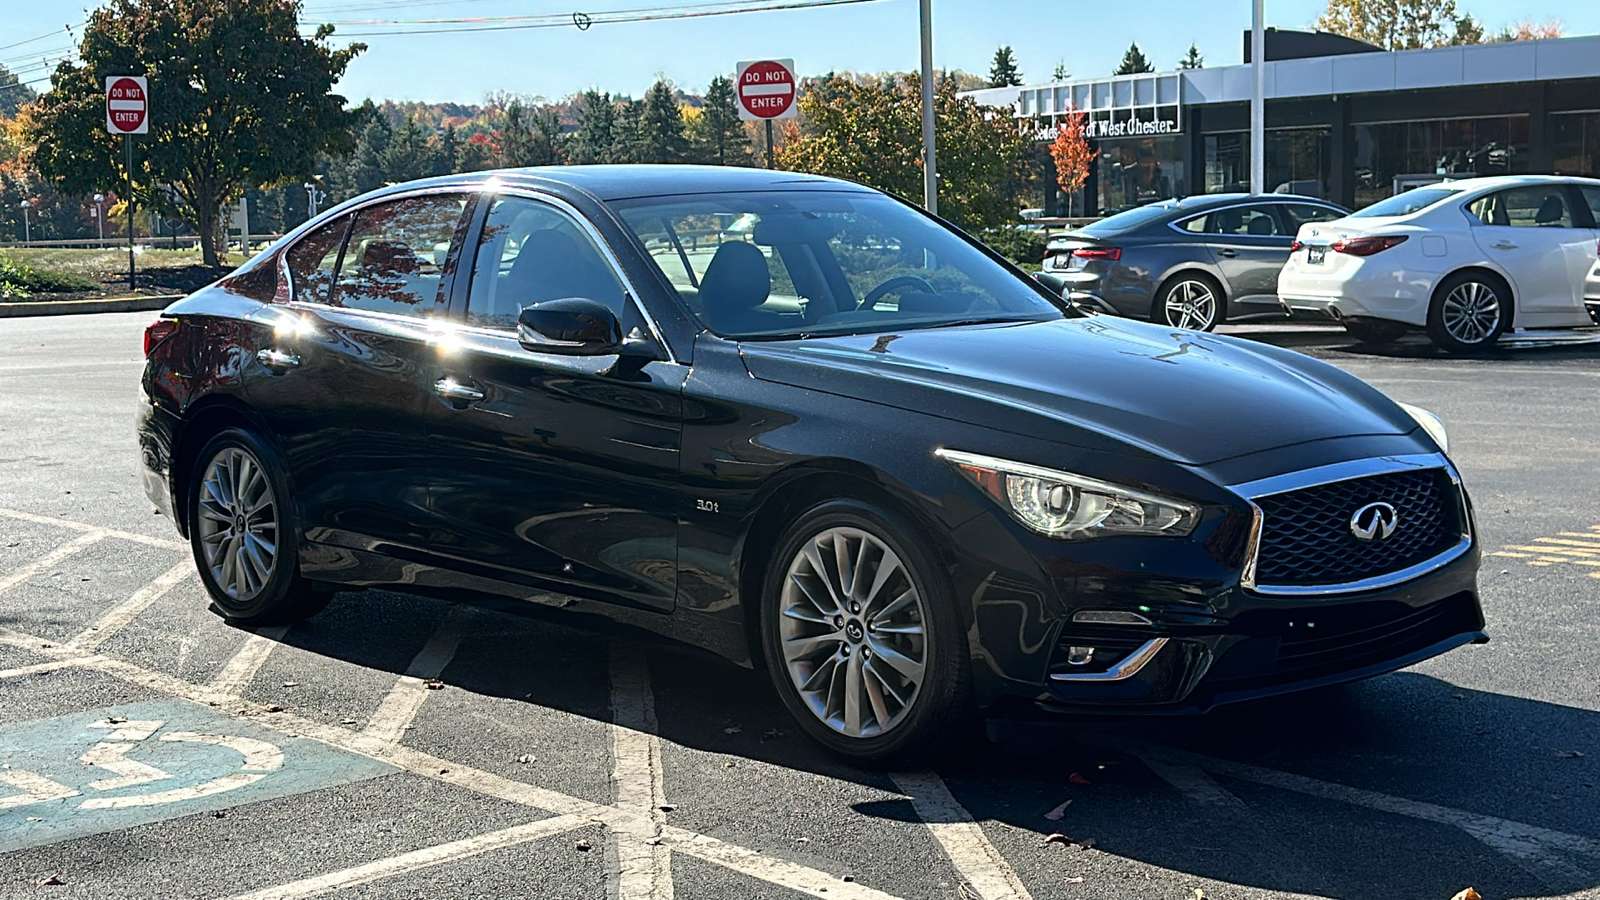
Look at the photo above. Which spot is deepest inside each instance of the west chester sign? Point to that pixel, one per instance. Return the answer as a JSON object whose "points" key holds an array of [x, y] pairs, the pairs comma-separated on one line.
{"points": [[1110, 124]]}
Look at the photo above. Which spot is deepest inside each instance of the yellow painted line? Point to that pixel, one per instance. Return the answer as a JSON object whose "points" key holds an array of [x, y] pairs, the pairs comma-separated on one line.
{"points": [[1589, 544], [1512, 555], [1560, 550]]}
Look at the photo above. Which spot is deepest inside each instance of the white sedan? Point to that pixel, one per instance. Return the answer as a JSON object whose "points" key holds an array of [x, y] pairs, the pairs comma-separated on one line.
{"points": [[1465, 260]]}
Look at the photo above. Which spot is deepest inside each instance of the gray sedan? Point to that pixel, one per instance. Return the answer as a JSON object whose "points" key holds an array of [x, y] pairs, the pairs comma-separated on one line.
{"points": [[1190, 263]]}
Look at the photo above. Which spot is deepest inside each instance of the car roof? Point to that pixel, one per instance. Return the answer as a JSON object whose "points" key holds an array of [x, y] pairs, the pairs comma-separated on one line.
{"points": [[1494, 181], [618, 182]]}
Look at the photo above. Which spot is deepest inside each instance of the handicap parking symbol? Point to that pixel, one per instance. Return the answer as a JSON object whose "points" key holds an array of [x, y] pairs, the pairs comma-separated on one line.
{"points": [[112, 768]]}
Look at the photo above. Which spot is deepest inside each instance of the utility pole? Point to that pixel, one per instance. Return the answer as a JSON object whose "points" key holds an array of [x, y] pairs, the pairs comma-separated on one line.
{"points": [[100, 218], [1258, 103], [930, 169]]}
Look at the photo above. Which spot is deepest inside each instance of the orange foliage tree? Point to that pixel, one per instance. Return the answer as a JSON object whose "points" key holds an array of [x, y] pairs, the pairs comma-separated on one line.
{"points": [[1071, 153]]}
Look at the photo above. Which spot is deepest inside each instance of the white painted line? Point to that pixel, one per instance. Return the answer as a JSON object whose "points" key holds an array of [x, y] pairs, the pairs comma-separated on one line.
{"points": [[963, 840], [40, 668], [417, 859], [120, 615], [35, 789], [112, 756], [732, 856], [645, 870], [242, 667], [403, 701], [49, 560], [79, 526], [1192, 782]]}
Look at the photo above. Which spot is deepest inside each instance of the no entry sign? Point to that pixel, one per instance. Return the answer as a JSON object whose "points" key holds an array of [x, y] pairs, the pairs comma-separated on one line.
{"points": [[766, 89], [127, 104]]}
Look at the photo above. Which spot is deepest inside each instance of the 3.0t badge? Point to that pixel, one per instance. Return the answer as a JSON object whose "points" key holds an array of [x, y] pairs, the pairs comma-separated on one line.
{"points": [[1375, 521]]}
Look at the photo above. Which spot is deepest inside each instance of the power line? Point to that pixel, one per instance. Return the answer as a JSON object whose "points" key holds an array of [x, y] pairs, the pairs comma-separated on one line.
{"points": [[557, 18], [583, 21], [67, 28]]}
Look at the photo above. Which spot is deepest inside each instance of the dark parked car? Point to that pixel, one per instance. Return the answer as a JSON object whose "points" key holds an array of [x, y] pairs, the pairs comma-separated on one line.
{"points": [[1191, 263], [809, 427]]}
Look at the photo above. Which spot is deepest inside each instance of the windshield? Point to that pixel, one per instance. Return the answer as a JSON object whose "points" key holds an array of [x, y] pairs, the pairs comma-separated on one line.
{"points": [[778, 264], [1405, 204]]}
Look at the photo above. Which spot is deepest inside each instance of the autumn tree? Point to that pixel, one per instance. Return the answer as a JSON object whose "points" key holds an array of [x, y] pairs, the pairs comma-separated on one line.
{"points": [[13, 93], [1529, 30], [718, 135], [1072, 154], [1003, 73], [872, 133], [1192, 59], [1392, 24], [1134, 62], [238, 99]]}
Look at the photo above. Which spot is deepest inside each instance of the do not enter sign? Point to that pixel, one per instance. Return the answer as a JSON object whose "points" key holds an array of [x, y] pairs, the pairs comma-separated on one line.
{"points": [[766, 89], [127, 104]]}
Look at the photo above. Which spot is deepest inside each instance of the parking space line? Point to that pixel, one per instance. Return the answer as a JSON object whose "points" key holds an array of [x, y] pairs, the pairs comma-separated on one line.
{"points": [[963, 840], [403, 701], [125, 612], [240, 669], [645, 869], [417, 859], [106, 532], [42, 668], [54, 557], [1191, 781], [714, 850]]}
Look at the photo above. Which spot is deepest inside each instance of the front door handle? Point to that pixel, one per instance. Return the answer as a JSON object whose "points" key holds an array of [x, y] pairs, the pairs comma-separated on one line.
{"points": [[1230, 254], [278, 361], [457, 394], [1504, 245]]}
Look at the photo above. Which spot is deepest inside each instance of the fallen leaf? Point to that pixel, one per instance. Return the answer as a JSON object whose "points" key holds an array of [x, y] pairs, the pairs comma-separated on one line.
{"points": [[525, 758], [666, 807], [849, 878], [114, 720], [582, 846], [220, 814], [1058, 838], [291, 684], [1055, 815], [1076, 879], [654, 842], [802, 840], [53, 879], [36, 818], [273, 707], [1468, 894], [444, 771], [1075, 778], [433, 684], [734, 730], [347, 721], [1569, 754], [728, 765]]}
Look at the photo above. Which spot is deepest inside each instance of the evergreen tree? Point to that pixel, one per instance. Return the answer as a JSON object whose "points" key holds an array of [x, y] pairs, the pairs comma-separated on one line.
{"points": [[412, 153], [1134, 62], [13, 94], [661, 128], [530, 136], [1003, 73], [629, 144], [364, 169], [1192, 59], [595, 141], [718, 134], [449, 150], [1061, 73]]}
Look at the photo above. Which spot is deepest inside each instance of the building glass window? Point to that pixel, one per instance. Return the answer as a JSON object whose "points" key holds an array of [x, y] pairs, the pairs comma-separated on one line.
{"points": [[1297, 162], [1133, 172], [1577, 144], [1399, 155]]}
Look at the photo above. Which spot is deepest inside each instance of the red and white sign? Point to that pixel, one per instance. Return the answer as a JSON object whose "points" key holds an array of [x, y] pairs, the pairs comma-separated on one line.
{"points": [[127, 104], [766, 90]]}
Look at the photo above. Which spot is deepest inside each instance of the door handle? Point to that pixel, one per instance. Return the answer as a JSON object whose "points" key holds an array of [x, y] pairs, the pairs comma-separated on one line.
{"points": [[278, 361], [459, 395], [1230, 254], [1504, 245]]}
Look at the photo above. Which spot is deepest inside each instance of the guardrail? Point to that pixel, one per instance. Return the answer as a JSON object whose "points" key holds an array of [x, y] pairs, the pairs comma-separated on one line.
{"points": [[182, 242]]}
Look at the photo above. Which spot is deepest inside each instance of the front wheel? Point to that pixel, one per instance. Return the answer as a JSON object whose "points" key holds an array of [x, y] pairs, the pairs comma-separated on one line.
{"points": [[862, 640], [242, 532], [1469, 312], [1193, 301]]}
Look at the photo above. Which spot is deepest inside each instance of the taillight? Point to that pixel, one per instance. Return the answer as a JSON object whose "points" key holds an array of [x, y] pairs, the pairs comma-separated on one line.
{"points": [[1110, 253], [1295, 247], [1366, 246], [158, 331]]}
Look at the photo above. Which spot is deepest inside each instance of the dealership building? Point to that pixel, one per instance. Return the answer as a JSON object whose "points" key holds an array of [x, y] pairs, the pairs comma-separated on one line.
{"points": [[1345, 120]]}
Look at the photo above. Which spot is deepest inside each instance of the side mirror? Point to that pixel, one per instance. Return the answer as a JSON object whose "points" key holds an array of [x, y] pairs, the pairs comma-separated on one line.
{"points": [[572, 326]]}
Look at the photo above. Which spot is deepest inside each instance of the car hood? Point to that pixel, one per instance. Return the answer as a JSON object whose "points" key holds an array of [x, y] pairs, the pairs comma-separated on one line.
{"points": [[1098, 382]]}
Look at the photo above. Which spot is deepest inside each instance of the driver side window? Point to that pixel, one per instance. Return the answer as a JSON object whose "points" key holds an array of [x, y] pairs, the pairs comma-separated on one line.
{"points": [[531, 252]]}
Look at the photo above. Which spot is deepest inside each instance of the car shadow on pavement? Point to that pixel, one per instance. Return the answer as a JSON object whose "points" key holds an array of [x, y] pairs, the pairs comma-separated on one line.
{"points": [[1401, 786]]}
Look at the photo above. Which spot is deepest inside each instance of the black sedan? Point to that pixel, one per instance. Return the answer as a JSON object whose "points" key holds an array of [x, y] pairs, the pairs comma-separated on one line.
{"points": [[1191, 263], [809, 427]]}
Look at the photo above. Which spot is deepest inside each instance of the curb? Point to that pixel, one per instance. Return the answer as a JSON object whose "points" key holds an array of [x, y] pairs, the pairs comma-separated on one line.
{"points": [[21, 308]]}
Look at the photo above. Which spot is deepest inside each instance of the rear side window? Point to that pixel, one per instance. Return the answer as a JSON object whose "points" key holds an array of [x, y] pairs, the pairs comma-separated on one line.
{"points": [[314, 259], [1591, 196], [395, 258], [1540, 206]]}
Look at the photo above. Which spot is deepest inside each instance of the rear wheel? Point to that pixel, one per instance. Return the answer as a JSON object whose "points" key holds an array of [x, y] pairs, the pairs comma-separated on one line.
{"points": [[1376, 332], [862, 640], [242, 532], [1469, 312], [1190, 300]]}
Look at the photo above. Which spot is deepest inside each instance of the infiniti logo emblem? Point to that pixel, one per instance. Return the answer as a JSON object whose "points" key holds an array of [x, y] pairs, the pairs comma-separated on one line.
{"points": [[1375, 521]]}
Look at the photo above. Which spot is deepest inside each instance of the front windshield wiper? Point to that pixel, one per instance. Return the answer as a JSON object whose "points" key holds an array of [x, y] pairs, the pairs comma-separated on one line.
{"points": [[884, 328]]}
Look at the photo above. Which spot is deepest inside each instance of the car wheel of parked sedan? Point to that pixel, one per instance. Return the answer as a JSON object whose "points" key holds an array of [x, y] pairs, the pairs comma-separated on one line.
{"points": [[1376, 332], [1469, 312], [862, 638], [241, 529], [1190, 300]]}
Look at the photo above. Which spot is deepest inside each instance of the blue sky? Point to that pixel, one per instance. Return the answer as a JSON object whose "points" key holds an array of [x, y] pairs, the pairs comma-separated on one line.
{"points": [[1088, 37]]}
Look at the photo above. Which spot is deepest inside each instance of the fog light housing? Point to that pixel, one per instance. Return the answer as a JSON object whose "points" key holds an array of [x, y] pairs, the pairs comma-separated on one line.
{"points": [[1080, 656]]}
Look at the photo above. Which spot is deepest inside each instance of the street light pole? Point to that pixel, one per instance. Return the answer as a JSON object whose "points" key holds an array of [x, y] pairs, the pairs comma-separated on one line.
{"points": [[930, 169], [27, 227], [1258, 105], [100, 218]]}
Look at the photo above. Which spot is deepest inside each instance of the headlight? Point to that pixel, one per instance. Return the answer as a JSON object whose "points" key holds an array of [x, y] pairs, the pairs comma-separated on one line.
{"points": [[1430, 423], [1063, 505]]}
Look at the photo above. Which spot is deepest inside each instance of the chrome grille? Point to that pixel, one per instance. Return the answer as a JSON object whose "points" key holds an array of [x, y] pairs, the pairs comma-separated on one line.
{"points": [[1306, 538]]}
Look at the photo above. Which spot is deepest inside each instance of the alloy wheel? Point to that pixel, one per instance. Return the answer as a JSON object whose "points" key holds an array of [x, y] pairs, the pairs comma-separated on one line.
{"points": [[1191, 304], [238, 524], [852, 626], [1471, 312]]}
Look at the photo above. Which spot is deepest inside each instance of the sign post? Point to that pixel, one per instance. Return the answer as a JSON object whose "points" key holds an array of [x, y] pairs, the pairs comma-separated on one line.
{"points": [[127, 114], [767, 91]]}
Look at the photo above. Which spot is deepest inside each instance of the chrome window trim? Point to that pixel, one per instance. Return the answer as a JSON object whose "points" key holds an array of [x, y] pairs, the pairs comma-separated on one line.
{"points": [[1252, 491], [1122, 671]]}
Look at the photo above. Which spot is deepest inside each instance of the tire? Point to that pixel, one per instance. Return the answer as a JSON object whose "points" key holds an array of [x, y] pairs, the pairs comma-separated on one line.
{"points": [[1375, 332], [1190, 300], [850, 681], [246, 552], [1469, 312]]}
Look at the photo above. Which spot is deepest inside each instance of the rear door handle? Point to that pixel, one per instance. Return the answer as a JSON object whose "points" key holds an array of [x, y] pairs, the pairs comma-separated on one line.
{"points": [[278, 361], [1504, 245], [1230, 254], [459, 395]]}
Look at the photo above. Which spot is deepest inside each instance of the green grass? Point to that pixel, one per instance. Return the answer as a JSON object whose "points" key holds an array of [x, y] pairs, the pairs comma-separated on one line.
{"points": [[19, 280], [75, 261]]}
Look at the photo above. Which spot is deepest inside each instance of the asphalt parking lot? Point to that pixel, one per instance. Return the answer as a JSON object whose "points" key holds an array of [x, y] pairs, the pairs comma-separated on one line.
{"points": [[396, 746]]}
